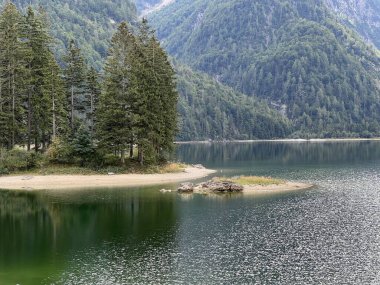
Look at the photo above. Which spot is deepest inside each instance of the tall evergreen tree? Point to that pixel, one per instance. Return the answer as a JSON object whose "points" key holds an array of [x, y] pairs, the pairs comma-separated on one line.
{"points": [[13, 54], [40, 57], [74, 75], [116, 107], [93, 90]]}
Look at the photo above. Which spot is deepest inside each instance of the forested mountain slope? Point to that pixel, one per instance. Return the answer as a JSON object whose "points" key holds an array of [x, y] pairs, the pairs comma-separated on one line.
{"points": [[210, 110], [91, 23], [362, 15], [292, 53]]}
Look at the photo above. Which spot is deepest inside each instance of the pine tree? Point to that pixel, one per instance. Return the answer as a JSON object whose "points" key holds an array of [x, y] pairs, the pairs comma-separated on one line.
{"points": [[93, 90], [13, 54], [116, 106], [40, 56], [74, 75], [54, 94], [160, 96]]}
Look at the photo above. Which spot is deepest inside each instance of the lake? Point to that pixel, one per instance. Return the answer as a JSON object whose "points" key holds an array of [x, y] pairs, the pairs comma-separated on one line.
{"points": [[329, 234]]}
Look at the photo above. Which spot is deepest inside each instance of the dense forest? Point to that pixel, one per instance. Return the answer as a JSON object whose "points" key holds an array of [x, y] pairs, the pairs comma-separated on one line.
{"points": [[211, 110], [289, 53], [68, 112], [291, 68], [91, 23]]}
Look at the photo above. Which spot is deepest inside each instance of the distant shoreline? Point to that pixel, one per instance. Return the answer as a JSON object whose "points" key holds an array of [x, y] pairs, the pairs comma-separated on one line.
{"points": [[71, 182], [281, 140]]}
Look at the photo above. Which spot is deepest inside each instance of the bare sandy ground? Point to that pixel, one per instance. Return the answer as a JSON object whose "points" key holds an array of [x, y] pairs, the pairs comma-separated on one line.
{"points": [[287, 186], [55, 182]]}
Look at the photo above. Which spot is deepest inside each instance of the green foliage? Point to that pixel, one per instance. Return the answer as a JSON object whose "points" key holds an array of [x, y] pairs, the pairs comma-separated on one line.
{"points": [[82, 146], [293, 54], [90, 23], [18, 160], [138, 105], [59, 151], [210, 110]]}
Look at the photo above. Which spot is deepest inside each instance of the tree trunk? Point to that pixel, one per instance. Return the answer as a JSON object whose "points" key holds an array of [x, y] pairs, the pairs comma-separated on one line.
{"points": [[29, 120], [54, 116], [141, 155], [131, 150], [13, 112], [43, 141], [92, 113], [122, 154], [72, 107], [36, 146]]}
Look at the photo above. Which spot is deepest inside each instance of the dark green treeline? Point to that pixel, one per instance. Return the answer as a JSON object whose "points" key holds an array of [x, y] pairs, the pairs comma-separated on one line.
{"points": [[43, 103]]}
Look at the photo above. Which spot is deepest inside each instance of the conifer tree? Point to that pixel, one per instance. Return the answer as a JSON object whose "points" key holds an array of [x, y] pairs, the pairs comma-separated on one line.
{"points": [[54, 93], [13, 54], [40, 56], [93, 90], [116, 107], [74, 75]]}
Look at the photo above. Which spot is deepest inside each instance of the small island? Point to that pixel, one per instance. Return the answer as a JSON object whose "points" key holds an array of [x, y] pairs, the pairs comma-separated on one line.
{"points": [[242, 184]]}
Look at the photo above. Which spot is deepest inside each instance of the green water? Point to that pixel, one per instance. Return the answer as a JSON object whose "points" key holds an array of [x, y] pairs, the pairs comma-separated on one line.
{"points": [[327, 235]]}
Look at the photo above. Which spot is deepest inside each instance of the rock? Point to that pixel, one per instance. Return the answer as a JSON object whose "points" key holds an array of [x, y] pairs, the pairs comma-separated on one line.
{"points": [[199, 166], [221, 187], [186, 187], [165, 191], [27, 178], [111, 173]]}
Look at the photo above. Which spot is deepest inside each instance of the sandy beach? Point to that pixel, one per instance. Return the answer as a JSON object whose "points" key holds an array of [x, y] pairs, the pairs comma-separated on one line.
{"points": [[55, 182]]}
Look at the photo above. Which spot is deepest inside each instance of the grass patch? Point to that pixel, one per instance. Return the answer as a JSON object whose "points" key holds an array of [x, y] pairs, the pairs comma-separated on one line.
{"points": [[251, 180], [131, 168]]}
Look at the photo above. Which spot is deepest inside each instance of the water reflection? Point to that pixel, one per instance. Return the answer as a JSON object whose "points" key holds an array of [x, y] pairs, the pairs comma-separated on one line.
{"points": [[327, 235], [225, 154], [48, 228]]}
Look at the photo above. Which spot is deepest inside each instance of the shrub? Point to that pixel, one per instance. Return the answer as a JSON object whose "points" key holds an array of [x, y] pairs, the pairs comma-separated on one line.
{"points": [[15, 160], [60, 152]]}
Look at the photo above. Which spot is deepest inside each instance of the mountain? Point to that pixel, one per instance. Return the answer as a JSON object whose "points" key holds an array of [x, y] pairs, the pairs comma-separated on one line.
{"points": [[210, 110], [290, 53], [207, 109], [91, 23], [361, 15]]}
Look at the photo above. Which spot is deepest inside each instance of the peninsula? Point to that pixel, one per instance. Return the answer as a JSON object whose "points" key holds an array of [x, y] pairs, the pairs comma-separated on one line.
{"points": [[67, 182]]}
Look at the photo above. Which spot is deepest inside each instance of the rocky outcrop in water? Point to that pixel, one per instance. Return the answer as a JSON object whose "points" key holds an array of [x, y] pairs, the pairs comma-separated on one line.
{"points": [[211, 187], [186, 187]]}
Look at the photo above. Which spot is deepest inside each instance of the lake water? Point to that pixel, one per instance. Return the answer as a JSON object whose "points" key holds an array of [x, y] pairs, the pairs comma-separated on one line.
{"points": [[327, 235]]}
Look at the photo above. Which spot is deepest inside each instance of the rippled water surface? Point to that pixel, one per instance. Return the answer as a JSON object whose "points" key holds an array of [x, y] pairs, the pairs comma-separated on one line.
{"points": [[327, 235]]}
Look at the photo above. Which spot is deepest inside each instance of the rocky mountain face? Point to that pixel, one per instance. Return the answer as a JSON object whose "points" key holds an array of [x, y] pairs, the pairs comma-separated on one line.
{"points": [[362, 15]]}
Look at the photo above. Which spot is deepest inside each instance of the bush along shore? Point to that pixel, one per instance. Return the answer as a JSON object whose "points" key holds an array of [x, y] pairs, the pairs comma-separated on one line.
{"points": [[241, 184]]}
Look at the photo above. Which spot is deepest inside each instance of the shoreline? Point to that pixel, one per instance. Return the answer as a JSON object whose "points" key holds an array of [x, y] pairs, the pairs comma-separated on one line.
{"points": [[283, 140], [70, 182], [277, 188]]}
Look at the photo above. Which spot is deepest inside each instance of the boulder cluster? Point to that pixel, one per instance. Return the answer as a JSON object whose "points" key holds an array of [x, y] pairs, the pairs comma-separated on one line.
{"points": [[211, 187]]}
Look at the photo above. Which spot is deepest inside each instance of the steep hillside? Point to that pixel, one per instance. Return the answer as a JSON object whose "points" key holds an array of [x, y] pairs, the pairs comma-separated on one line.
{"points": [[292, 53], [91, 23], [210, 110], [362, 15]]}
